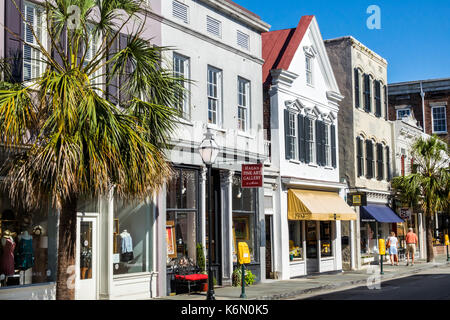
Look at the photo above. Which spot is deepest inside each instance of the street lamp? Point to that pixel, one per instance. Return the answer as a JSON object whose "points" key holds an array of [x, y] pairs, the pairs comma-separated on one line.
{"points": [[208, 151]]}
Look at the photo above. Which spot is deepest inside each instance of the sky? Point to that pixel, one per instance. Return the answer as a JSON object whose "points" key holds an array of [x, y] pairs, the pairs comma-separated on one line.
{"points": [[414, 36]]}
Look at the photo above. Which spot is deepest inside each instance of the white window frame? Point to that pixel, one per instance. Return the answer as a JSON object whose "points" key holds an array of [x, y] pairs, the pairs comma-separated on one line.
{"points": [[244, 35], [178, 58], [181, 5], [244, 104], [309, 70], [209, 20], [37, 65], [328, 145], [445, 119], [293, 133], [403, 109], [312, 143], [217, 97]]}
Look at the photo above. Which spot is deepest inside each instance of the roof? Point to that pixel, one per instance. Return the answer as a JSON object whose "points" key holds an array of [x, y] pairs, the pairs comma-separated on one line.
{"points": [[242, 8], [279, 47]]}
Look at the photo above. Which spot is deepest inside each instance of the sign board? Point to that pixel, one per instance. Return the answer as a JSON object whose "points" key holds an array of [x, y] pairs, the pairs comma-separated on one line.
{"points": [[381, 247], [405, 213], [252, 175], [244, 253], [447, 242], [357, 199]]}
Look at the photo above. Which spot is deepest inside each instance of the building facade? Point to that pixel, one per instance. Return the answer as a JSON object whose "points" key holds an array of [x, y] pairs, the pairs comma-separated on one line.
{"points": [[302, 191], [365, 138]]}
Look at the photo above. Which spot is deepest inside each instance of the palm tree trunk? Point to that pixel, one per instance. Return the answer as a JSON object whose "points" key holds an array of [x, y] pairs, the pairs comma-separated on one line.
{"points": [[65, 285], [430, 253]]}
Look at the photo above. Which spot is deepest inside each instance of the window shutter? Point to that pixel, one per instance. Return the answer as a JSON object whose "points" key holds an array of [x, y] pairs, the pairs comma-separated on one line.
{"points": [[213, 26], [287, 138], [388, 164], [359, 154], [308, 137], [13, 46], [180, 11], [333, 146], [380, 166], [301, 138], [123, 78], [367, 105], [357, 92], [113, 83], [377, 98], [318, 143], [369, 157], [243, 40], [385, 103]]}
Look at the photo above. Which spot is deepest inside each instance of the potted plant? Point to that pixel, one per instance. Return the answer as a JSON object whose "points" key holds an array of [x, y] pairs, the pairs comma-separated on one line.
{"points": [[202, 265]]}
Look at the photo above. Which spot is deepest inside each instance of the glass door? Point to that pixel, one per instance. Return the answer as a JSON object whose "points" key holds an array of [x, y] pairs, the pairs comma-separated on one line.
{"points": [[86, 259]]}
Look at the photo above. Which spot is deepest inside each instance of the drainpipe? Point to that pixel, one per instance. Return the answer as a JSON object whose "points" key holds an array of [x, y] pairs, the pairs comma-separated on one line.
{"points": [[422, 94]]}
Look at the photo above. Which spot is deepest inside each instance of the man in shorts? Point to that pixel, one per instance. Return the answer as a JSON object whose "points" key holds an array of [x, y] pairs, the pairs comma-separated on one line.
{"points": [[411, 242]]}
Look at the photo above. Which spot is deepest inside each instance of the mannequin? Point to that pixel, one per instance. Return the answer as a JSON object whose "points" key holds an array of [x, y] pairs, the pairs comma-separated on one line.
{"points": [[25, 257], [7, 259], [126, 246]]}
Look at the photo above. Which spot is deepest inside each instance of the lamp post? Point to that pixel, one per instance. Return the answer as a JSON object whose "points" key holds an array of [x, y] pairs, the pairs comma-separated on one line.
{"points": [[208, 151]]}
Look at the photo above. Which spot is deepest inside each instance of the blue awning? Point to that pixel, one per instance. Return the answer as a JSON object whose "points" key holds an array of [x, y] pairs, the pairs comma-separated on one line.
{"points": [[380, 213]]}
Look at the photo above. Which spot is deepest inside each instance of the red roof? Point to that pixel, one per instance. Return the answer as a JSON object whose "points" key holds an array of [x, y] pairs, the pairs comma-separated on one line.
{"points": [[279, 47], [242, 8]]}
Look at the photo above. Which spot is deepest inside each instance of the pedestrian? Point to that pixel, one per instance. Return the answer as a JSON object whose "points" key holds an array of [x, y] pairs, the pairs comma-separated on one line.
{"points": [[392, 244], [411, 241]]}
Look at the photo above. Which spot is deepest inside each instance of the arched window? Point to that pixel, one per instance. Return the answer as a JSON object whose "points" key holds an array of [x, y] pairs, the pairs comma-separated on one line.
{"points": [[377, 87], [357, 93], [367, 93]]}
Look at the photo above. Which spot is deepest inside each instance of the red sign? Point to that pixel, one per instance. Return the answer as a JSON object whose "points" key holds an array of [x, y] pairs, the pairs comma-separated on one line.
{"points": [[252, 175]]}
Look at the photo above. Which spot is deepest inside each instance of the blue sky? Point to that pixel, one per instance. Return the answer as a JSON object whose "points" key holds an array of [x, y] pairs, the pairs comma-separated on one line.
{"points": [[414, 37]]}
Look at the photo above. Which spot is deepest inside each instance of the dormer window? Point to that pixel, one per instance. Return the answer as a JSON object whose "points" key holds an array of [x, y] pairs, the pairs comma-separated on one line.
{"points": [[403, 113]]}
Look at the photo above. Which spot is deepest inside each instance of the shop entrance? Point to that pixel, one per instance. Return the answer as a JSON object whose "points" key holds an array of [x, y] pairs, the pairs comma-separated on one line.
{"points": [[86, 260], [312, 259], [268, 223]]}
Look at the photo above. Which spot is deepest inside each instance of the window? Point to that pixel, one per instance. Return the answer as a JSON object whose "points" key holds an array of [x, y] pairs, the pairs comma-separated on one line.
{"points": [[402, 113], [181, 70], [244, 216], [33, 65], [380, 162], [326, 242], [214, 95], [369, 159], [377, 85], [292, 134], [213, 26], [308, 67], [367, 93], [388, 164], [360, 157], [295, 239], [357, 91], [243, 104], [310, 140], [91, 51], [439, 119], [180, 11], [327, 145], [243, 40]]}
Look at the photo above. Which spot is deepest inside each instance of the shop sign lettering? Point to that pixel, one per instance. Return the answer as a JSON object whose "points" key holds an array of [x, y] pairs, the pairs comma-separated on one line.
{"points": [[252, 175]]}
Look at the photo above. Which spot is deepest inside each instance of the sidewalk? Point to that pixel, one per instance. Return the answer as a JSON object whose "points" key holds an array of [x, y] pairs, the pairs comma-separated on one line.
{"points": [[283, 289]]}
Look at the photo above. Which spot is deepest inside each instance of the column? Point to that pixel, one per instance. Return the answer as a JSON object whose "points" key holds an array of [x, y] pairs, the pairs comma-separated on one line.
{"points": [[161, 244], [202, 208], [358, 238], [226, 184]]}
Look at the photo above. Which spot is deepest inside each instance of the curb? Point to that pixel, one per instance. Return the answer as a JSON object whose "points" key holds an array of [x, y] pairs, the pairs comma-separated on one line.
{"points": [[292, 294]]}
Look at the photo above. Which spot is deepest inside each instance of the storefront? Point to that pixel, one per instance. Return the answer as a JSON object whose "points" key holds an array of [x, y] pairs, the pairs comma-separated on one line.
{"points": [[377, 222], [28, 252], [314, 241]]}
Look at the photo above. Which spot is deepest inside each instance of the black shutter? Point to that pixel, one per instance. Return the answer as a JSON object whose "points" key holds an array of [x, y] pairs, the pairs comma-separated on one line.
{"points": [[357, 92], [123, 79], [388, 164], [333, 146], [113, 82], [377, 98], [308, 124], [359, 155], [367, 106], [369, 158], [301, 138], [385, 103], [380, 161], [287, 137], [13, 45], [318, 142], [62, 47]]}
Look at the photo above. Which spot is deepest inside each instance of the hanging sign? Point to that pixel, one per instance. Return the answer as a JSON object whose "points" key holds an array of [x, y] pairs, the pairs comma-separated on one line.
{"points": [[405, 213], [357, 199], [252, 175]]}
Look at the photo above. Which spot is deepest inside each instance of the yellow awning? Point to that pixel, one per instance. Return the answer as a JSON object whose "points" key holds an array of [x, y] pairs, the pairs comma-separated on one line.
{"points": [[318, 205]]}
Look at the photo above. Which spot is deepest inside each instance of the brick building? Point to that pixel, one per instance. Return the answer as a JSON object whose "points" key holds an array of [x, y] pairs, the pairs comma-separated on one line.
{"points": [[427, 100]]}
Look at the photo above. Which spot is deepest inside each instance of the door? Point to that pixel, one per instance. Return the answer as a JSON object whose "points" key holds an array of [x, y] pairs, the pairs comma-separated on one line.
{"points": [[86, 268], [269, 271], [312, 262]]}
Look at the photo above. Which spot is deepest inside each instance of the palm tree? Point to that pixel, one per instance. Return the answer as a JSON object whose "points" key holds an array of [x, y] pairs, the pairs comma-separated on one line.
{"points": [[69, 137], [428, 185]]}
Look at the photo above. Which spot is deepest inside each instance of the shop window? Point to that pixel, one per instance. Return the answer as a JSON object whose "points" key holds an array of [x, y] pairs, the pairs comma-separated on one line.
{"points": [[28, 245], [244, 216], [131, 236], [326, 242], [182, 215], [295, 240]]}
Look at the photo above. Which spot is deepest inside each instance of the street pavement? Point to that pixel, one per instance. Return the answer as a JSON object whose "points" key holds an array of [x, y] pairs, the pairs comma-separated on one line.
{"points": [[321, 283]]}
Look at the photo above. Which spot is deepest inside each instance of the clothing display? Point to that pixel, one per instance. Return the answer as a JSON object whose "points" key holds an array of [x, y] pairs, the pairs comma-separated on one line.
{"points": [[7, 260], [25, 258], [126, 247]]}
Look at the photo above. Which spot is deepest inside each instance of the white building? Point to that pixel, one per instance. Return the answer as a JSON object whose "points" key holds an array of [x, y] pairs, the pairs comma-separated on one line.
{"points": [[303, 202]]}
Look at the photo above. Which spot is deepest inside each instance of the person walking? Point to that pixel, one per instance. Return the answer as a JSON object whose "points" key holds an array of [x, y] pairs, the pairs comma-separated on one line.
{"points": [[393, 246], [411, 241]]}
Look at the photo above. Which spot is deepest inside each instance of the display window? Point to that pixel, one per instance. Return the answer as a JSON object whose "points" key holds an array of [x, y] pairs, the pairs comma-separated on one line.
{"points": [[243, 217], [295, 240], [326, 242], [132, 234], [27, 245], [182, 215]]}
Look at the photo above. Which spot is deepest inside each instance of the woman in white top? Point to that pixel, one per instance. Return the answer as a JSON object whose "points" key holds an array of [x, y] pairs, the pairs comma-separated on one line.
{"points": [[393, 245]]}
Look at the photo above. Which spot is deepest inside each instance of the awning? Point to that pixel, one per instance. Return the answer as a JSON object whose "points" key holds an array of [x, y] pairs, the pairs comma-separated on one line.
{"points": [[380, 213], [318, 205]]}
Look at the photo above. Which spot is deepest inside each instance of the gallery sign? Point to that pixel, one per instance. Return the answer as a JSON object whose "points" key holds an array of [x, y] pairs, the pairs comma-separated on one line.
{"points": [[252, 175], [405, 213], [357, 199]]}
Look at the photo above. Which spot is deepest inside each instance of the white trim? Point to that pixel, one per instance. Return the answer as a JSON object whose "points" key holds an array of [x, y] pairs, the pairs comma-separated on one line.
{"points": [[445, 119]]}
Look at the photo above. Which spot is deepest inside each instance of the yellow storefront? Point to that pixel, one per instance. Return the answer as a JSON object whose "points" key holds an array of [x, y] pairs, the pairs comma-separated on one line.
{"points": [[314, 230]]}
